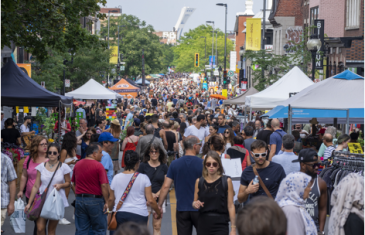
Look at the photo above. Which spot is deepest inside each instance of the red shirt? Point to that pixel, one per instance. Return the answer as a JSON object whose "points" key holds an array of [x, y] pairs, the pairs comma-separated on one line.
{"points": [[88, 176]]}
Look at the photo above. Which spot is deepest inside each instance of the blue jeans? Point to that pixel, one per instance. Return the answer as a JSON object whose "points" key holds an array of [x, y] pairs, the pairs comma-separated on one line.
{"points": [[89, 215], [123, 217]]}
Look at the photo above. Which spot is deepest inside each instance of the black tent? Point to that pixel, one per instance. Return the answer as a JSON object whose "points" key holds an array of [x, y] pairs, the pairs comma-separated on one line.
{"points": [[132, 82], [18, 89]]}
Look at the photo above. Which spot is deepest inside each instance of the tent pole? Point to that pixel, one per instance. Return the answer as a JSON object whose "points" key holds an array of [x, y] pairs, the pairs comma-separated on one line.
{"points": [[250, 113], [289, 119], [347, 121], [245, 117]]}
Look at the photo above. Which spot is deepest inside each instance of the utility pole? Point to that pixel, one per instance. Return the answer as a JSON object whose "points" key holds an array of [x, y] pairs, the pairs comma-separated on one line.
{"points": [[263, 37], [143, 77]]}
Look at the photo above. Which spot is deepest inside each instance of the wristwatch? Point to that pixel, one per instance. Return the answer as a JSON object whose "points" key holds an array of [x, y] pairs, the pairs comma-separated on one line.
{"points": [[320, 233]]}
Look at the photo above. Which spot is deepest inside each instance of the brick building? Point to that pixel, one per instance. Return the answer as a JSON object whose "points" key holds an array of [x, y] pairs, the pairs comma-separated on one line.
{"points": [[166, 37]]}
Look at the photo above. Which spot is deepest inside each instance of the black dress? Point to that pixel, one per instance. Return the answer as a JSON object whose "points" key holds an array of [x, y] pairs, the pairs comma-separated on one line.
{"points": [[213, 217]]}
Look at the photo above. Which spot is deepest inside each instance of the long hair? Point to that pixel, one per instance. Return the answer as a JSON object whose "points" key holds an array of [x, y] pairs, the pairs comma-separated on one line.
{"points": [[69, 143], [92, 129], [216, 158], [229, 139], [34, 146], [162, 156], [115, 130]]}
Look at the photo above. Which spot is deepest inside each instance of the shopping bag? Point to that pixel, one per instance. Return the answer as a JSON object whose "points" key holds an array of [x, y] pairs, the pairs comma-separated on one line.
{"points": [[53, 208], [17, 219]]}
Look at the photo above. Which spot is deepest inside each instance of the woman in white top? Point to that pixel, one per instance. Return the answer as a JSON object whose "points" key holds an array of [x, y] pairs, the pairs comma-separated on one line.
{"points": [[60, 181], [228, 136], [134, 207]]}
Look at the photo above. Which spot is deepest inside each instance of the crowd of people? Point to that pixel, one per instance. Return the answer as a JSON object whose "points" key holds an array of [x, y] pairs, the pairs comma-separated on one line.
{"points": [[174, 136]]}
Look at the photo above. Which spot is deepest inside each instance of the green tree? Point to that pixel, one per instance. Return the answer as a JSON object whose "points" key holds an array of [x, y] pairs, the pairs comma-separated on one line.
{"points": [[276, 66], [86, 63], [39, 24], [135, 36], [192, 42], [167, 57]]}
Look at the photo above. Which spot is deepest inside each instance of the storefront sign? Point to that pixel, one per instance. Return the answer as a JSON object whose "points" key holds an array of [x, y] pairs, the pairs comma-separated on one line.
{"points": [[253, 34], [319, 32], [355, 148]]}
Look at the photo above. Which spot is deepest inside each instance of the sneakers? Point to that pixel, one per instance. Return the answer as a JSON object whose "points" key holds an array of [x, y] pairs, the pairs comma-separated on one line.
{"points": [[64, 221]]}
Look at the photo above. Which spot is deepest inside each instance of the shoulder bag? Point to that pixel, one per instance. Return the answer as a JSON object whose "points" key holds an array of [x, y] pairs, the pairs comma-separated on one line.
{"points": [[263, 186], [38, 202], [112, 221]]}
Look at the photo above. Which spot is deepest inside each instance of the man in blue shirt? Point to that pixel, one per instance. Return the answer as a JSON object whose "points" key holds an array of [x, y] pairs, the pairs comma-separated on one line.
{"points": [[184, 172], [285, 159], [129, 118], [276, 138], [107, 140]]}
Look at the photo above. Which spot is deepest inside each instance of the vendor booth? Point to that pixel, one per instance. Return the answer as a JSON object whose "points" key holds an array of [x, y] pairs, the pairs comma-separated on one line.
{"points": [[241, 99], [93, 90], [123, 88], [139, 82], [341, 97], [292, 82]]}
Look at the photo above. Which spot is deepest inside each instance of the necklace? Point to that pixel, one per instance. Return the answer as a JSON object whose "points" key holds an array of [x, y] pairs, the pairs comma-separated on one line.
{"points": [[51, 166]]}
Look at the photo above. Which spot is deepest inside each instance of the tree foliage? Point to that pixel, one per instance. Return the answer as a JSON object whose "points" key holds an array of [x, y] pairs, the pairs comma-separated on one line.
{"points": [[192, 42], [135, 36], [86, 63], [39, 24], [276, 66]]}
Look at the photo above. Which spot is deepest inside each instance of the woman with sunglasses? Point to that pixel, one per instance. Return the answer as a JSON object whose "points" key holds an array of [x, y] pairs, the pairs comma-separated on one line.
{"points": [[86, 141], [134, 207], [292, 202], [214, 199], [38, 155], [154, 166], [60, 181], [228, 136]]}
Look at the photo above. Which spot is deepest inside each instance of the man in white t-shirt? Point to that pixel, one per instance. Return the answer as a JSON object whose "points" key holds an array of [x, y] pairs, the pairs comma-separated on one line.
{"points": [[198, 129], [24, 129]]}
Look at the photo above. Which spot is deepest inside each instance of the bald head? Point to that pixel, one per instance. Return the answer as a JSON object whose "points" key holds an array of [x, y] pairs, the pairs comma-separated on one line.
{"points": [[190, 141], [327, 139], [275, 123]]}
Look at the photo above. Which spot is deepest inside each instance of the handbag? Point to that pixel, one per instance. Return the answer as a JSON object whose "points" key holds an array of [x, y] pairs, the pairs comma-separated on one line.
{"points": [[112, 221], [38, 202], [263, 186]]}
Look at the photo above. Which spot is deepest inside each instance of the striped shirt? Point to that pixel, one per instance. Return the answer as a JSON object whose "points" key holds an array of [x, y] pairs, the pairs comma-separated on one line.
{"points": [[328, 152]]}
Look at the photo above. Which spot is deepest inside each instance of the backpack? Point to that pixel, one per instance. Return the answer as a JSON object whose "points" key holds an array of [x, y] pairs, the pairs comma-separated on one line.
{"points": [[224, 182]]}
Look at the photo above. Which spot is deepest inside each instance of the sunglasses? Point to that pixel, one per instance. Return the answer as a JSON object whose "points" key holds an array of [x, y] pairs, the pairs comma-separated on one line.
{"points": [[257, 155], [208, 164], [52, 153], [314, 165], [153, 152], [226, 132]]}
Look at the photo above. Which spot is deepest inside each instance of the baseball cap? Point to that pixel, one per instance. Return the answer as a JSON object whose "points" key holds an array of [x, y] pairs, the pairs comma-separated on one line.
{"points": [[307, 155], [106, 136], [137, 121]]}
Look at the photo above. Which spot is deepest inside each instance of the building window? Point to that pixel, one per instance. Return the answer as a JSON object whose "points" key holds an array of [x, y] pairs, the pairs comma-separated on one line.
{"points": [[313, 16], [352, 14]]}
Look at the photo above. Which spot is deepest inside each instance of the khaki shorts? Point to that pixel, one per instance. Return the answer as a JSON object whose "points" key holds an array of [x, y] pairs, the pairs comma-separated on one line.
{"points": [[150, 210], [3, 216]]}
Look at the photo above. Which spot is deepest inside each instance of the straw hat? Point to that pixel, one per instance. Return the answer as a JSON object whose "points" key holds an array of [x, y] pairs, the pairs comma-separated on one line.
{"points": [[115, 122], [313, 121]]}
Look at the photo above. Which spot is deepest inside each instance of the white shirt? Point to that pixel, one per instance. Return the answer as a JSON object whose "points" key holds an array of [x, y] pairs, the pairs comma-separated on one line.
{"points": [[192, 130], [59, 178], [136, 199], [24, 129]]}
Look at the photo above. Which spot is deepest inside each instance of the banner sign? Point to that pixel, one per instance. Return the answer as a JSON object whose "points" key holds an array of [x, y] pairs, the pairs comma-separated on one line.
{"points": [[319, 32], [253, 34], [114, 58]]}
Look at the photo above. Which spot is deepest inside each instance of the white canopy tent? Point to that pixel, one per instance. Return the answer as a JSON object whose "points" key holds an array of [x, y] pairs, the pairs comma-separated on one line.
{"points": [[240, 100], [292, 82], [93, 90]]}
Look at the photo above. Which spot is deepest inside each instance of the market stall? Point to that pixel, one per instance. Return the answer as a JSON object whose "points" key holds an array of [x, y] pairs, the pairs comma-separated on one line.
{"points": [[241, 99], [123, 88], [93, 90]]}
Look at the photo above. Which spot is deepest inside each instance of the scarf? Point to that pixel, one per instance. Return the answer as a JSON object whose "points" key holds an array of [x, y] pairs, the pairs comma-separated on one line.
{"points": [[347, 197], [291, 192]]}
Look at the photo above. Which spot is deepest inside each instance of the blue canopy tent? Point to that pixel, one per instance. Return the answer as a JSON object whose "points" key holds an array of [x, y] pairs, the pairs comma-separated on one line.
{"points": [[341, 97]]}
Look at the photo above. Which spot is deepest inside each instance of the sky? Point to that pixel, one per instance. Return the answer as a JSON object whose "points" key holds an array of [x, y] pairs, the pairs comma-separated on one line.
{"points": [[163, 14]]}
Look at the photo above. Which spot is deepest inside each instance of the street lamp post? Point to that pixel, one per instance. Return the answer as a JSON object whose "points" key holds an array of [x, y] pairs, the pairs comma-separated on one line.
{"points": [[205, 39], [313, 45], [225, 45], [66, 62], [242, 52], [212, 22]]}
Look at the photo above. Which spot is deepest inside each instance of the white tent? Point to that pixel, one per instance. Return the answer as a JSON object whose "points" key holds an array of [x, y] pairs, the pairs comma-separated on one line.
{"points": [[292, 82], [93, 90], [240, 100]]}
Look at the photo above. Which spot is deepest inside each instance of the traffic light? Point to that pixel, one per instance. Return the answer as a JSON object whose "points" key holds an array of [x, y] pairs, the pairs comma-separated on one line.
{"points": [[196, 60], [225, 77]]}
